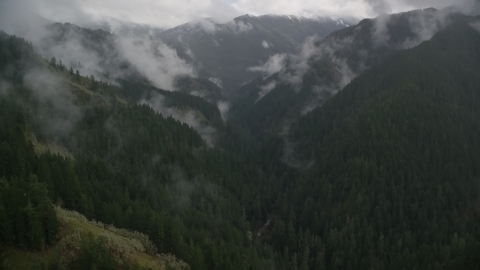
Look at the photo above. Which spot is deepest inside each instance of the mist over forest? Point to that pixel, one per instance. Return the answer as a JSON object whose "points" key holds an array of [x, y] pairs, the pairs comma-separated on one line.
{"points": [[239, 134]]}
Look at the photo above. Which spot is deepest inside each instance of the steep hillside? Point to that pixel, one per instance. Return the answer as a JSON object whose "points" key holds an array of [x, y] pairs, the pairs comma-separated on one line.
{"points": [[323, 68], [134, 165], [201, 58], [225, 52], [84, 244], [393, 180], [383, 175]]}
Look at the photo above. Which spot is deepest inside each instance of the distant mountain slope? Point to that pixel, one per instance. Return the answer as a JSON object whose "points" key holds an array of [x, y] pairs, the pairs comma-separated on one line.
{"points": [[140, 162], [203, 58], [226, 51], [393, 182], [107, 56], [324, 67]]}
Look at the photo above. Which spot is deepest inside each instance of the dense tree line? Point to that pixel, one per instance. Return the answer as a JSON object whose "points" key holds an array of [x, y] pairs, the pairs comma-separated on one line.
{"points": [[392, 181], [395, 177], [139, 170]]}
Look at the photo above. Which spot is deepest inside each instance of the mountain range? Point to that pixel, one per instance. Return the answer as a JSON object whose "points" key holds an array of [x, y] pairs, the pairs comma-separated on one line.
{"points": [[328, 144], [202, 57], [225, 53], [323, 67]]}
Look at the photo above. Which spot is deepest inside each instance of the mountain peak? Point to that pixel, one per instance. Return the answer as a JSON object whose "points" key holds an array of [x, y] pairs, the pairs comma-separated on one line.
{"points": [[314, 18]]}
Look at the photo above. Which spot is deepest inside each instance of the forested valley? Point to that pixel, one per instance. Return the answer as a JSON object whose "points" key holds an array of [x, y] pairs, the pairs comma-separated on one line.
{"points": [[389, 174]]}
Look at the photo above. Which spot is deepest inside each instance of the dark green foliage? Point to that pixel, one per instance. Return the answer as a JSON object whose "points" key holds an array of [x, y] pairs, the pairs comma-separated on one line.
{"points": [[94, 254], [139, 170], [396, 158], [136, 90], [352, 49], [27, 217], [393, 180]]}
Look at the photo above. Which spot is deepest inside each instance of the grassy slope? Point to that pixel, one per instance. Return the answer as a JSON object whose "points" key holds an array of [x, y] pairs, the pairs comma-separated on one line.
{"points": [[20, 259]]}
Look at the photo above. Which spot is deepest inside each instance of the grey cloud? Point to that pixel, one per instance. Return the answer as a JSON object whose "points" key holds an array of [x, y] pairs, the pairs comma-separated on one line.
{"points": [[59, 41], [18, 17], [155, 60], [469, 7], [476, 25], [292, 68], [58, 113], [336, 52], [183, 188], [208, 25], [94, 52], [74, 51], [4, 87], [265, 44], [423, 24], [265, 89], [315, 102], [216, 81], [379, 6], [164, 14], [299, 63], [426, 26], [223, 107], [239, 26], [273, 65], [439, 4], [190, 53], [380, 34], [167, 14], [313, 50], [189, 117], [242, 27]]}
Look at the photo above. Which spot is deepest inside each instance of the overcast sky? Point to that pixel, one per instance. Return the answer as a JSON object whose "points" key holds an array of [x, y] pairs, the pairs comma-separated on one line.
{"points": [[170, 13]]}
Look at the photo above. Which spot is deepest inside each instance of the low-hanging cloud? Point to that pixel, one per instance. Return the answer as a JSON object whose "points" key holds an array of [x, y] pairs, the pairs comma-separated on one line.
{"points": [[94, 52], [168, 14], [299, 63], [316, 100], [155, 60], [335, 53], [426, 26], [273, 65], [468, 7], [265, 89], [57, 114], [239, 26], [51, 40], [380, 34], [223, 107], [4, 87], [76, 51], [379, 6], [476, 25], [208, 25], [216, 81], [189, 117], [292, 68]]}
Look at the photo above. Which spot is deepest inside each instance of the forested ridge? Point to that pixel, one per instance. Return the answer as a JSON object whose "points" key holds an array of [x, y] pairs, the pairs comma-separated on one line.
{"points": [[333, 62], [392, 180], [133, 168], [395, 177]]}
